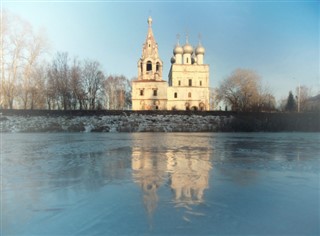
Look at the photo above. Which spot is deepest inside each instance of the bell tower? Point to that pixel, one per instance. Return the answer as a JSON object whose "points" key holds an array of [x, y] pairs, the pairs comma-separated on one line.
{"points": [[150, 64], [149, 90]]}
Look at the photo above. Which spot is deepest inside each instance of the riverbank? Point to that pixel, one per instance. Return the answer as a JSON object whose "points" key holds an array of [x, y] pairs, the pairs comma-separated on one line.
{"points": [[155, 121]]}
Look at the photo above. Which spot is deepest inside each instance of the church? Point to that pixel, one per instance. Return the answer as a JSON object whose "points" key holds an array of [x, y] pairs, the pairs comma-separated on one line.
{"points": [[188, 82]]}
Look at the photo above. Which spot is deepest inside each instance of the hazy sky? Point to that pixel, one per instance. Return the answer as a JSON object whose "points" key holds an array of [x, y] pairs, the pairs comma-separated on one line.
{"points": [[278, 40]]}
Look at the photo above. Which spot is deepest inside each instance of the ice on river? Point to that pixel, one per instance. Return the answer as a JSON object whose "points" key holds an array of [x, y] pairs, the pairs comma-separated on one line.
{"points": [[160, 183]]}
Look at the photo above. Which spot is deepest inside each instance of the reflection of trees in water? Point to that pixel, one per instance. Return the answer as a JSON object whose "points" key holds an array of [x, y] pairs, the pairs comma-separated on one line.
{"points": [[93, 170], [241, 156], [259, 151]]}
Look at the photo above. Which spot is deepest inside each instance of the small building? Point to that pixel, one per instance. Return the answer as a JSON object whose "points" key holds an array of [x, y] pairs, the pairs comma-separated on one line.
{"points": [[188, 83]]}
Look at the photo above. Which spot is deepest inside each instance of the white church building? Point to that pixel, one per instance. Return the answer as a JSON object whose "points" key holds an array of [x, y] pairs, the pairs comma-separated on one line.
{"points": [[188, 83]]}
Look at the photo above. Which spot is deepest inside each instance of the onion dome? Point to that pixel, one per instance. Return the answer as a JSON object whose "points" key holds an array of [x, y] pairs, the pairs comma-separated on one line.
{"points": [[173, 60], [178, 50], [187, 48], [200, 50]]}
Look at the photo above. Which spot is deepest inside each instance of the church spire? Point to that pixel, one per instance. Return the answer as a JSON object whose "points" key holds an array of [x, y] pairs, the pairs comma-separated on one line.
{"points": [[150, 47], [150, 64], [150, 33]]}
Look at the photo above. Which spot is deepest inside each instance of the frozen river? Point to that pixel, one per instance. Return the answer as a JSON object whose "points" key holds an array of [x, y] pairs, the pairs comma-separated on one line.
{"points": [[160, 184]]}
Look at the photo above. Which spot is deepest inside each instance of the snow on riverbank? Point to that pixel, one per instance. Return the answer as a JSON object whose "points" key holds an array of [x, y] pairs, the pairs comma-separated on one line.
{"points": [[119, 123], [155, 121]]}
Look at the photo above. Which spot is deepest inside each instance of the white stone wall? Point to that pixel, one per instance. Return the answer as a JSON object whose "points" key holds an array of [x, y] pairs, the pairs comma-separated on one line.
{"points": [[182, 94], [148, 101], [198, 95]]}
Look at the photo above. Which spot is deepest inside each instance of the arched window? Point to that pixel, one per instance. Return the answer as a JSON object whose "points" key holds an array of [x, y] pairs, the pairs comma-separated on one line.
{"points": [[157, 66], [149, 66], [189, 95]]}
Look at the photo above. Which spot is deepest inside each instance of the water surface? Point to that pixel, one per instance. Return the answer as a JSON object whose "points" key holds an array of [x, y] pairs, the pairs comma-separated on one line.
{"points": [[160, 184]]}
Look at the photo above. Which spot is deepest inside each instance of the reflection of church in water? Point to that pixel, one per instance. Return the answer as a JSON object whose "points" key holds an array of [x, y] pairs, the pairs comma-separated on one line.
{"points": [[186, 171]]}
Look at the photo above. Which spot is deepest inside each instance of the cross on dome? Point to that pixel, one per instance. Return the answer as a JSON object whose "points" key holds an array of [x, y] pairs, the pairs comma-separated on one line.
{"points": [[187, 38], [178, 39], [199, 37]]}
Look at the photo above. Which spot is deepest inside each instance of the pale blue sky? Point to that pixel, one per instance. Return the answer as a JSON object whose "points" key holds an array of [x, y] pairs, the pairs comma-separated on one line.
{"points": [[278, 40]]}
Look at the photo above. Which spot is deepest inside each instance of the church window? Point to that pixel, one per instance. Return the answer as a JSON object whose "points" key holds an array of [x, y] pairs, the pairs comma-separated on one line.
{"points": [[200, 83], [141, 92], [189, 95], [158, 66], [175, 95], [179, 82], [187, 60], [155, 92], [149, 66], [190, 82]]}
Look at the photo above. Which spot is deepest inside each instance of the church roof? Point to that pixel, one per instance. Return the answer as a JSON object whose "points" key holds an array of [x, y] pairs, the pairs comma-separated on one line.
{"points": [[150, 47]]}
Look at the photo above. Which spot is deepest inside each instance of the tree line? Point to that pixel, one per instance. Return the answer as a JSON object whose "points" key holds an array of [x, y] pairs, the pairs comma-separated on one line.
{"points": [[82, 85], [29, 82], [243, 91]]}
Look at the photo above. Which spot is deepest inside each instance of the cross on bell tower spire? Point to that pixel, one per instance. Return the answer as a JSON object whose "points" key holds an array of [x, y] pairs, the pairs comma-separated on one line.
{"points": [[149, 21]]}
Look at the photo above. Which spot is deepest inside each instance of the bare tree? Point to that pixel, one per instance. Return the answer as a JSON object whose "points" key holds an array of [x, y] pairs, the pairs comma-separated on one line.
{"points": [[128, 93], [37, 88], [213, 99], [35, 46], [20, 50], [242, 91], [58, 86], [92, 78], [118, 92], [13, 32], [265, 101], [76, 84], [282, 103], [109, 87]]}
